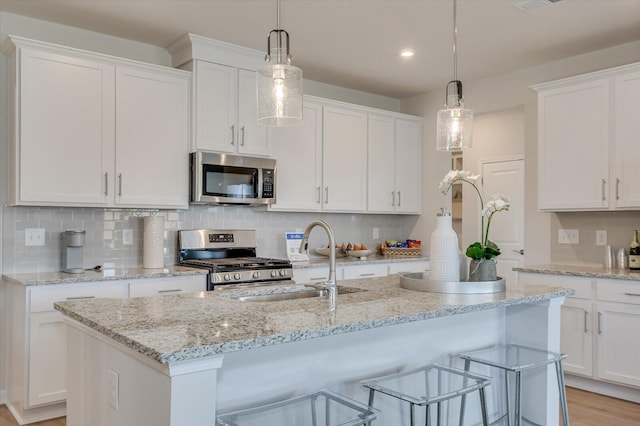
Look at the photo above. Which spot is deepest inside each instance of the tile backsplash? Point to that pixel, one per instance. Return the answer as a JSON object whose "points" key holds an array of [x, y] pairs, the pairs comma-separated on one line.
{"points": [[104, 232], [619, 227]]}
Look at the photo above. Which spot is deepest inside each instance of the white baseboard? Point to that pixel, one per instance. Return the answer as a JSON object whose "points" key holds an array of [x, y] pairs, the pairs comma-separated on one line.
{"points": [[37, 414], [604, 388], [3, 396]]}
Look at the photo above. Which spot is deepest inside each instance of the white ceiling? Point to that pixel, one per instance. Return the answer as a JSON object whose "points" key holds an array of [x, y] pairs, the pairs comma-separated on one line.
{"points": [[355, 43]]}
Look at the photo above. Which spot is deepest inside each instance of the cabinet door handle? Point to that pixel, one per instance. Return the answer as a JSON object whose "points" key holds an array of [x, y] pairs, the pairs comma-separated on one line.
{"points": [[371, 274], [599, 322], [120, 185], [81, 298], [233, 131], [586, 329], [106, 183], [326, 195], [393, 198], [604, 183], [399, 198], [318, 189], [521, 251], [175, 290], [617, 188], [317, 278], [632, 294], [242, 135]]}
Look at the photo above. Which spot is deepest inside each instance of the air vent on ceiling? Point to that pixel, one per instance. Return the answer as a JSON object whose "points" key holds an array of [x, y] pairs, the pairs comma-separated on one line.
{"points": [[532, 5]]}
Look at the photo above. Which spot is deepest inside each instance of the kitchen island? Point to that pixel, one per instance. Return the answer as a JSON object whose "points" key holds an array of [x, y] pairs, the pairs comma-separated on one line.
{"points": [[177, 360]]}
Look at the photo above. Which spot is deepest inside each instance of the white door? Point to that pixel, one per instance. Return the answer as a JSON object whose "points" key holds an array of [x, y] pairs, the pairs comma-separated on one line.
{"points": [[507, 227], [251, 136]]}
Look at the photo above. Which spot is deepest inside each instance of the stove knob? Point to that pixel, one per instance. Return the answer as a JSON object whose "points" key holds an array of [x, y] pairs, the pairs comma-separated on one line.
{"points": [[283, 272], [236, 276], [256, 274], [227, 277], [274, 273]]}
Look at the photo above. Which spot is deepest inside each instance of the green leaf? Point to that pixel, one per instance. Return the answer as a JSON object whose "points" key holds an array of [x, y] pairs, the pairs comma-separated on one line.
{"points": [[475, 251]]}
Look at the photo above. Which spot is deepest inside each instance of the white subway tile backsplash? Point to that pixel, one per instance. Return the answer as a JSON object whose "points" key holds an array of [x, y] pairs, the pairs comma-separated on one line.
{"points": [[103, 239]]}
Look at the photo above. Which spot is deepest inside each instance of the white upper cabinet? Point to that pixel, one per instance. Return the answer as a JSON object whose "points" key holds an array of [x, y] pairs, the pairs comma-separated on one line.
{"points": [[586, 145], [298, 151], [63, 129], [344, 154], [394, 166], [226, 117], [626, 148], [92, 130], [348, 158], [152, 116]]}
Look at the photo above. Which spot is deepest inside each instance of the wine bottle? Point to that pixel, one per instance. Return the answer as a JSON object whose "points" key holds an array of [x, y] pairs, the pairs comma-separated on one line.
{"points": [[634, 253]]}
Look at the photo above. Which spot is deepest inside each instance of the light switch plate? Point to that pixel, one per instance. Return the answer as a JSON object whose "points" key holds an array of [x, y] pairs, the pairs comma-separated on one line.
{"points": [[601, 238], [34, 237], [127, 237], [568, 236]]}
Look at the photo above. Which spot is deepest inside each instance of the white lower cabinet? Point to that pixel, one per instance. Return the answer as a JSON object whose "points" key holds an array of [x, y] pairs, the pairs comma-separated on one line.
{"points": [[38, 349], [599, 325], [351, 272]]}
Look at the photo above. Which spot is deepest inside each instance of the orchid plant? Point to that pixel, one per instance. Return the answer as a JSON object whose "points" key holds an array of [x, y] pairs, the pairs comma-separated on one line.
{"points": [[484, 249]]}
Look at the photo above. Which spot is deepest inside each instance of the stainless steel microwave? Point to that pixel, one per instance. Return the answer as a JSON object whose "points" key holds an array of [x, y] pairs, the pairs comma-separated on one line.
{"points": [[232, 179]]}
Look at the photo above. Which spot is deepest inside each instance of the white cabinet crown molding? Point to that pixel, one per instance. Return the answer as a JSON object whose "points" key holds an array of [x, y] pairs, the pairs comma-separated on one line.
{"points": [[592, 76], [15, 42], [192, 46]]}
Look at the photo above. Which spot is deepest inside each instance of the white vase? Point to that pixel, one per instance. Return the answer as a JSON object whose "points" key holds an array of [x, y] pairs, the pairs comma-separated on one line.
{"points": [[444, 258]]}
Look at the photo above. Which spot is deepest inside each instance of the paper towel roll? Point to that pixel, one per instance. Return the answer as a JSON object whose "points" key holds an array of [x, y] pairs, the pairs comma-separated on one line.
{"points": [[153, 242]]}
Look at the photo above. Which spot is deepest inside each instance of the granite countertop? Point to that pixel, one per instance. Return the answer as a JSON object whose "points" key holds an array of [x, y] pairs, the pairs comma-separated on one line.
{"points": [[189, 326], [582, 271], [315, 262], [46, 278]]}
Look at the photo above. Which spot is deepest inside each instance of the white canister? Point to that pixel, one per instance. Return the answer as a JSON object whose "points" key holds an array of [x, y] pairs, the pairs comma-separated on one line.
{"points": [[153, 242], [444, 257]]}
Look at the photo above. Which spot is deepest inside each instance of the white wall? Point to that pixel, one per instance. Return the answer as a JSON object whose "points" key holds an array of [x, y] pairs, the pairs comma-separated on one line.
{"points": [[489, 96]]}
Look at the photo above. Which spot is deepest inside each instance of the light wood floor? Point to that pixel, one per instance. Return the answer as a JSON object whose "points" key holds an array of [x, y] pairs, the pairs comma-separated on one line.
{"points": [[585, 409]]}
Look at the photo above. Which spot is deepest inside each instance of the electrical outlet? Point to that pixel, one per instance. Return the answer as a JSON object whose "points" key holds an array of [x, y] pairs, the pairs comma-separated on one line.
{"points": [[568, 236], [376, 233], [114, 389], [34, 237], [601, 238], [127, 237]]}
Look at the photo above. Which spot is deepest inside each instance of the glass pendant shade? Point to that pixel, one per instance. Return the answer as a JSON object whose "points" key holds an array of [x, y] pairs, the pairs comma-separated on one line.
{"points": [[454, 128], [279, 86]]}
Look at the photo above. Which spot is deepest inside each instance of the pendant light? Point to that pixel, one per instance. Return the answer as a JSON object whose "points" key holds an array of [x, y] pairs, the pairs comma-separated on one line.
{"points": [[454, 121], [279, 83]]}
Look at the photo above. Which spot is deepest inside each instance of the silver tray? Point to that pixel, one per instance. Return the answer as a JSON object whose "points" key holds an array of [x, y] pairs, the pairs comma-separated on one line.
{"points": [[419, 281]]}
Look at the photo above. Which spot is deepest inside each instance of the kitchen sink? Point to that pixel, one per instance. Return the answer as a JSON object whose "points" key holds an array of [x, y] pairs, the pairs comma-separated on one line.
{"points": [[293, 295]]}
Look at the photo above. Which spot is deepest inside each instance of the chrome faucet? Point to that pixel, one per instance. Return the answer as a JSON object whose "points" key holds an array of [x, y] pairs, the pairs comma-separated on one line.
{"points": [[330, 285]]}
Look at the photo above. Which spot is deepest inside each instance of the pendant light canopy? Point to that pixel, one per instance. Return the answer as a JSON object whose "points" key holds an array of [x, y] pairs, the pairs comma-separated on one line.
{"points": [[455, 122], [279, 83]]}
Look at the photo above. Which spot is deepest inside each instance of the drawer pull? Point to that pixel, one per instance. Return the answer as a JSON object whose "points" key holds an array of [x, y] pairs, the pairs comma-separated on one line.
{"points": [[371, 274], [81, 297], [586, 330], [632, 294], [599, 322], [175, 290]]}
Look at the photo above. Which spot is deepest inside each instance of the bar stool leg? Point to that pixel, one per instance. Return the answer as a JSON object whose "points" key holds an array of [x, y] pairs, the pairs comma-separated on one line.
{"points": [[563, 393], [412, 414], [518, 414], [463, 400], [506, 381], [371, 393], [483, 407], [313, 412], [427, 421], [439, 414]]}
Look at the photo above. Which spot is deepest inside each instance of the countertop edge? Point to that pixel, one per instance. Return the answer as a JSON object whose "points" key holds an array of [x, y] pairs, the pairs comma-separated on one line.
{"points": [[581, 271]]}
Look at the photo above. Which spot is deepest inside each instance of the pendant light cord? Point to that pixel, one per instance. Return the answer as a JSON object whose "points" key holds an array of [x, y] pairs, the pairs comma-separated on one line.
{"points": [[278, 15], [455, 36]]}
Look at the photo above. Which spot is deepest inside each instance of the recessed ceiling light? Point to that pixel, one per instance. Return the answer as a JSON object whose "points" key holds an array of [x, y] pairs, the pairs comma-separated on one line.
{"points": [[407, 53]]}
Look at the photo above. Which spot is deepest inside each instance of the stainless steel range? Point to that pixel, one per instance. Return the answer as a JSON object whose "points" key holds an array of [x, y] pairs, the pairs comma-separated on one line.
{"points": [[230, 257]]}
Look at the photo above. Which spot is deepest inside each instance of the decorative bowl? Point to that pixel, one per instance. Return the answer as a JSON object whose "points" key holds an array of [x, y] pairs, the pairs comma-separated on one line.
{"points": [[360, 254], [324, 251]]}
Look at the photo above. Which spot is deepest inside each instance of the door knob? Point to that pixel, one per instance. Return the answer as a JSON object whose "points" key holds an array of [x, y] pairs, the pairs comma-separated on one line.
{"points": [[521, 251]]}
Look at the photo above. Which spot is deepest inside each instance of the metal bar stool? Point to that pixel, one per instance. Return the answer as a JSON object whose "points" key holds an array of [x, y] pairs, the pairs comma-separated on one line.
{"points": [[516, 359], [429, 385], [324, 408]]}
